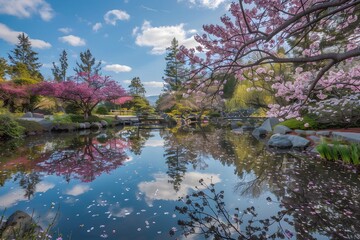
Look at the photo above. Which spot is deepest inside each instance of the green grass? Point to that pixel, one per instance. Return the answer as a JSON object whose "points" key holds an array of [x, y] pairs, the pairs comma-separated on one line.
{"points": [[349, 154], [296, 124]]}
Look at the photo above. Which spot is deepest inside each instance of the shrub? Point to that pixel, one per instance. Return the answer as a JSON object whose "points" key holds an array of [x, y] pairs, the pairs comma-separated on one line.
{"points": [[80, 118], [30, 126], [214, 114], [102, 110], [308, 122], [9, 128]]}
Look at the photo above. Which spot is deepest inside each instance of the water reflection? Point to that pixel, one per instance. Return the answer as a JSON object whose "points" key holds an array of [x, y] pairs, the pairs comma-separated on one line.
{"points": [[87, 174], [318, 198], [161, 188], [86, 158]]}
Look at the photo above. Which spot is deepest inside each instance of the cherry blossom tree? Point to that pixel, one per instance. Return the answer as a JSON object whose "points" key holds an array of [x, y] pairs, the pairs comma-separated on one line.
{"points": [[11, 94], [249, 39], [84, 91]]}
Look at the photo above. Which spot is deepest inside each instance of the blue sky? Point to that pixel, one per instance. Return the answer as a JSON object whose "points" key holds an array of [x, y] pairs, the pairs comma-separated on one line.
{"points": [[128, 36]]}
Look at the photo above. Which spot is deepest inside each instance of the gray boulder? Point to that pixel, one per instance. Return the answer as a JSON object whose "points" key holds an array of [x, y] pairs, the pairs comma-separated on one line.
{"points": [[104, 123], [82, 125], [269, 124], [282, 129], [279, 141], [28, 115], [87, 125], [310, 132], [96, 125], [298, 131], [102, 136], [298, 142], [38, 115], [315, 139], [259, 133], [323, 133], [20, 225]]}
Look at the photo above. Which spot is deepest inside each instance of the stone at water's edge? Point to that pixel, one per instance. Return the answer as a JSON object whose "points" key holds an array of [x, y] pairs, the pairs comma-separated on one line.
{"points": [[348, 136], [323, 133], [259, 133], [19, 225], [315, 139], [96, 125], [282, 129], [28, 115], [104, 123], [279, 141], [298, 142], [269, 124]]}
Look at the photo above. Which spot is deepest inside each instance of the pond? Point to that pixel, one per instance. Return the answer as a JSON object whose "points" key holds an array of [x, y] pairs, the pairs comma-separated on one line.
{"points": [[125, 184]]}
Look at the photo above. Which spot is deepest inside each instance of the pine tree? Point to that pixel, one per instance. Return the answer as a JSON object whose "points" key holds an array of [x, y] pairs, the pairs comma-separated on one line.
{"points": [[136, 87], [175, 69], [3, 68], [24, 56], [60, 72], [88, 64]]}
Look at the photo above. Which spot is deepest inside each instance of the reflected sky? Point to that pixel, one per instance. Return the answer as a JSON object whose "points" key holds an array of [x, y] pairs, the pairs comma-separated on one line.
{"points": [[125, 185]]}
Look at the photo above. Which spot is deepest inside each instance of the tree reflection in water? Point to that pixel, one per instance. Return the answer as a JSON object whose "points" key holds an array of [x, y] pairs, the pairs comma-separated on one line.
{"points": [[316, 198], [86, 158]]}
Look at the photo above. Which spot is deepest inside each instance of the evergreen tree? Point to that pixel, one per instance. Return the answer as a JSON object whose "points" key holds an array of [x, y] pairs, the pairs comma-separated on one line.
{"points": [[136, 87], [60, 72], [3, 68], [88, 64], [24, 56], [175, 69]]}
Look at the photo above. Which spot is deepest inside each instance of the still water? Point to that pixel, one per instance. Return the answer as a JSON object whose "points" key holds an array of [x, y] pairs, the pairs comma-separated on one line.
{"points": [[125, 184]]}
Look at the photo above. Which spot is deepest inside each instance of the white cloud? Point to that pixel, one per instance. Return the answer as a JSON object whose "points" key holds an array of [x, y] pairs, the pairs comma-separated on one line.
{"points": [[47, 65], [11, 37], [117, 68], [154, 143], [25, 8], [117, 211], [111, 17], [154, 84], [96, 27], [65, 30], [12, 198], [211, 4], [73, 40], [159, 38], [162, 189], [78, 190]]}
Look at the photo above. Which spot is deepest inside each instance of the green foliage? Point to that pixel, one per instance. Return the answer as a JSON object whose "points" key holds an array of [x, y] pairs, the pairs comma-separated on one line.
{"points": [[24, 60], [102, 110], [88, 64], [80, 118], [9, 128], [3, 68], [214, 114], [136, 88], [72, 109], [297, 124], [230, 87], [30, 126], [349, 154], [60, 72], [243, 98], [63, 118], [175, 71]]}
